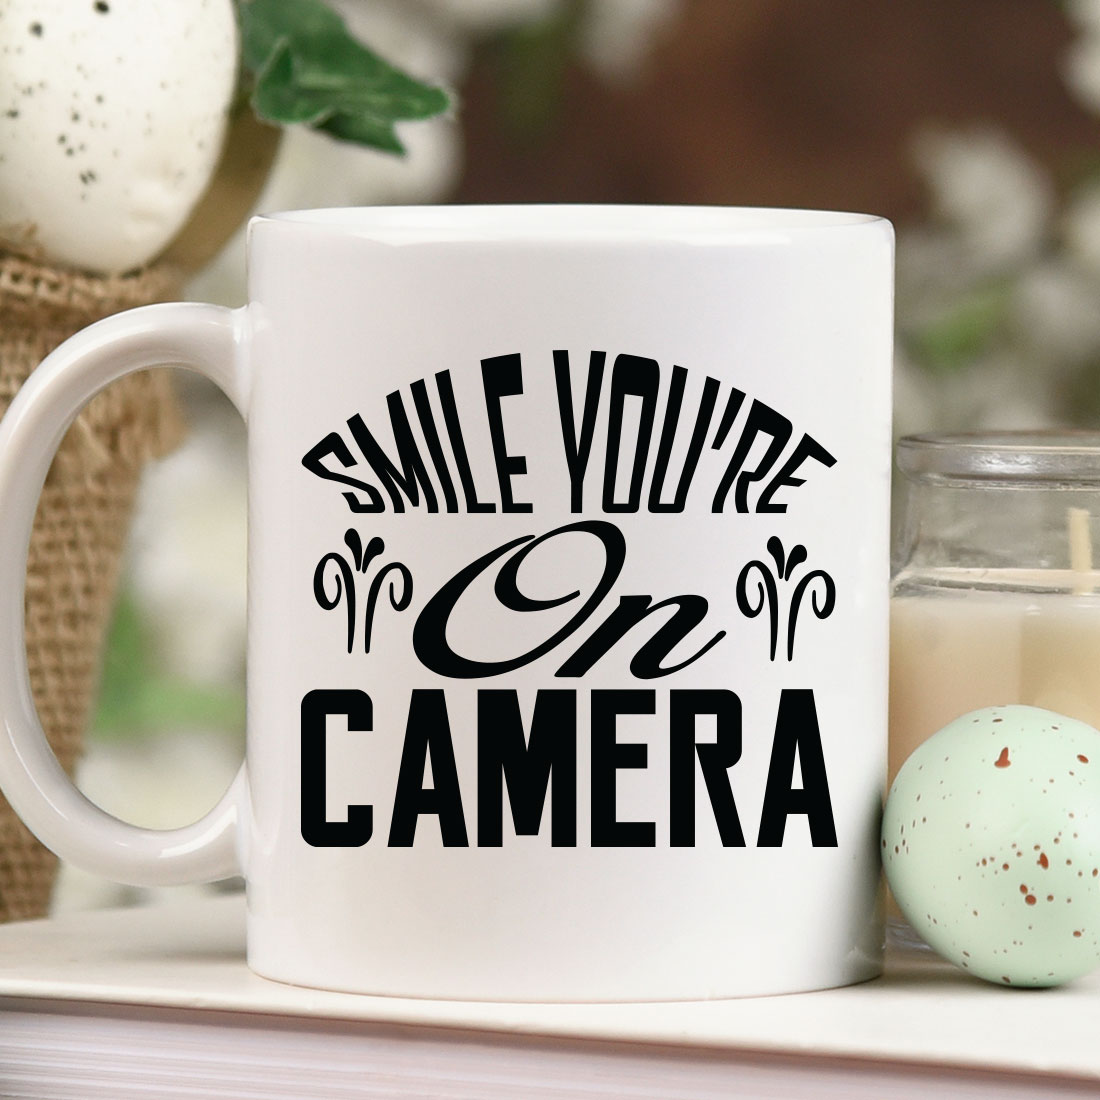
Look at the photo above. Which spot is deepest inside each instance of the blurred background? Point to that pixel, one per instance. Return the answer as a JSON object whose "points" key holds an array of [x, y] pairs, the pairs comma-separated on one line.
{"points": [[972, 126]]}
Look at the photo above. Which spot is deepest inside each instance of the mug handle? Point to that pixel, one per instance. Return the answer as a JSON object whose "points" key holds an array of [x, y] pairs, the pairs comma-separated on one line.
{"points": [[211, 340]]}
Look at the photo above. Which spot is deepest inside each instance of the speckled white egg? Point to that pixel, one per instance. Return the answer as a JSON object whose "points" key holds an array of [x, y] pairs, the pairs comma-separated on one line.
{"points": [[991, 844], [112, 114]]}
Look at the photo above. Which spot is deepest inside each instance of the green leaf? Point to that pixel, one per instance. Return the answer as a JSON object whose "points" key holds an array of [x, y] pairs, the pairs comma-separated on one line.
{"points": [[955, 339], [308, 70], [265, 22]]}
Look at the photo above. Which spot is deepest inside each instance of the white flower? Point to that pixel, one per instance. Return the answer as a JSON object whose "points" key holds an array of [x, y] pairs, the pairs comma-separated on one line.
{"points": [[1081, 64], [999, 392], [1004, 392], [1081, 69], [1055, 312], [989, 193], [616, 35], [934, 267], [1081, 229], [1005, 389], [1085, 13]]}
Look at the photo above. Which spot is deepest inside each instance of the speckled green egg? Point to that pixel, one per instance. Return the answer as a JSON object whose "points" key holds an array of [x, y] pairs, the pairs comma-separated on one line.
{"points": [[991, 844]]}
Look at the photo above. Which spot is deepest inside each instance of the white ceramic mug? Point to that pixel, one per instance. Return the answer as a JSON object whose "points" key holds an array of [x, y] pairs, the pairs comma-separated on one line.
{"points": [[567, 599]]}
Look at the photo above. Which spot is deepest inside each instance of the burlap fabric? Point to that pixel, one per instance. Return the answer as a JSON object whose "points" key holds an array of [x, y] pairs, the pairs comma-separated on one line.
{"points": [[81, 525]]}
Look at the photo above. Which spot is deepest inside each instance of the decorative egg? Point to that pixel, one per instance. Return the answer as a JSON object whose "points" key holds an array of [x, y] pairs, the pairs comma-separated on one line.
{"points": [[991, 845], [112, 114]]}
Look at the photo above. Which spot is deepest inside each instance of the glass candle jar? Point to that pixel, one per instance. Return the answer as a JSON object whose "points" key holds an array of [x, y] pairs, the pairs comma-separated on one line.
{"points": [[994, 598]]}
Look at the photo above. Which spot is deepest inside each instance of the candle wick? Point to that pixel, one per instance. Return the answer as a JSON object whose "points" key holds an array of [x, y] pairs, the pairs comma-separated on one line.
{"points": [[1080, 549]]}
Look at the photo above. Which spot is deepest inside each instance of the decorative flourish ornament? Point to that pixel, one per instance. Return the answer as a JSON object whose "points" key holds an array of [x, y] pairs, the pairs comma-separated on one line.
{"points": [[767, 591], [345, 578]]}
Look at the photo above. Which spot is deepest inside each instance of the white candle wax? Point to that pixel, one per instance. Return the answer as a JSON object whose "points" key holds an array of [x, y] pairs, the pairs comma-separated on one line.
{"points": [[1021, 637]]}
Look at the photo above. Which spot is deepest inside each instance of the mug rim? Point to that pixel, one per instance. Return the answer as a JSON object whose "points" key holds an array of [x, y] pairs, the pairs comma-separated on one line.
{"points": [[557, 222]]}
